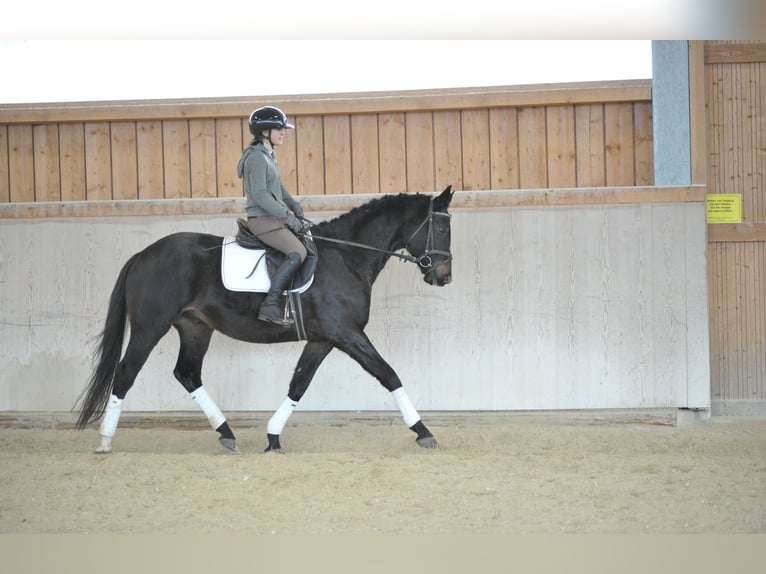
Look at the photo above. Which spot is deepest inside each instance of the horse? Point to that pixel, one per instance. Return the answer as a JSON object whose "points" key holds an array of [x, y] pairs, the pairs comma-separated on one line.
{"points": [[176, 282]]}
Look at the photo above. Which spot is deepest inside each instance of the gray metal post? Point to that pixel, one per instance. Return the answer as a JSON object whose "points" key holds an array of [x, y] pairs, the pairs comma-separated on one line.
{"points": [[670, 112]]}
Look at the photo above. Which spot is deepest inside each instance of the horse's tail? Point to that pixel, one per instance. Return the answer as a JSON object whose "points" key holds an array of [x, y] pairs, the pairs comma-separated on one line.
{"points": [[93, 400]]}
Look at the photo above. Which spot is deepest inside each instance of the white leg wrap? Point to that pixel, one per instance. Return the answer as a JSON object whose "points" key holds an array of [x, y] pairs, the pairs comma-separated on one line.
{"points": [[111, 417], [106, 445], [109, 424], [208, 406], [279, 418], [409, 413]]}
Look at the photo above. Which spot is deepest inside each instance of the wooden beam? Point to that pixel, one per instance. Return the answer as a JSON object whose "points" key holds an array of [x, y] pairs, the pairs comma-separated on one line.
{"points": [[578, 196], [326, 104], [342, 203], [697, 113], [736, 232], [751, 408], [735, 53]]}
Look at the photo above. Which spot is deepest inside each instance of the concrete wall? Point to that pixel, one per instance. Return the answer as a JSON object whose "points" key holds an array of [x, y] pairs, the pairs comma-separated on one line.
{"points": [[597, 305]]}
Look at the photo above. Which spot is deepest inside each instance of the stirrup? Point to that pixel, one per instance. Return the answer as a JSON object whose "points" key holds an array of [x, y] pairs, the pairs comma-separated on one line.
{"points": [[277, 318]]}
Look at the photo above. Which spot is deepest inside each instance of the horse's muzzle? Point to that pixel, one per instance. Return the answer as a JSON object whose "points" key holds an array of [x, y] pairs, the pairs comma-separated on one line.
{"points": [[440, 275]]}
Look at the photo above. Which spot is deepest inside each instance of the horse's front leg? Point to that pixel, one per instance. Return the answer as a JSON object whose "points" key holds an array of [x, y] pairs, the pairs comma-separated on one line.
{"points": [[313, 355], [359, 348], [409, 414]]}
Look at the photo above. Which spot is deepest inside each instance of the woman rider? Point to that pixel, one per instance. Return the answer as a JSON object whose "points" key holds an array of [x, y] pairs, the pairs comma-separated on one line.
{"points": [[272, 213]]}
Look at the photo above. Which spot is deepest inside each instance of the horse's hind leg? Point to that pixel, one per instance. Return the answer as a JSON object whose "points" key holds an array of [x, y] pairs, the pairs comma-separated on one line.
{"points": [[138, 350], [313, 355], [195, 338]]}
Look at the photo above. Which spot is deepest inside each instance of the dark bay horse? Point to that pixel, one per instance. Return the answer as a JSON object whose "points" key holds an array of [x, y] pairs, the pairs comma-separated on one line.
{"points": [[176, 282]]}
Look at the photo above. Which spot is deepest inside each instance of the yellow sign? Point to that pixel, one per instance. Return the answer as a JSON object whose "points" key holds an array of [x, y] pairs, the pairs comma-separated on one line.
{"points": [[724, 208]]}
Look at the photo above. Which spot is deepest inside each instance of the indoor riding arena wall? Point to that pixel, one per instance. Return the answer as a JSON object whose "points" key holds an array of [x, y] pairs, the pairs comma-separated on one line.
{"points": [[577, 282], [600, 303]]}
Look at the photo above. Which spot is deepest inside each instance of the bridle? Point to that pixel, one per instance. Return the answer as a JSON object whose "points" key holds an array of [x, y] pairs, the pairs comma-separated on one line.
{"points": [[424, 261]]}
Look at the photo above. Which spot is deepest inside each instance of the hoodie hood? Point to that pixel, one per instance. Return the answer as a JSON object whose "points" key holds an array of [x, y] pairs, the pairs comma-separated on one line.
{"points": [[241, 164]]}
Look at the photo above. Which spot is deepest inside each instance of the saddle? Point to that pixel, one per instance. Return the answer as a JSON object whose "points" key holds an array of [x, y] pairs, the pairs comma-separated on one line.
{"points": [[274, 258]]}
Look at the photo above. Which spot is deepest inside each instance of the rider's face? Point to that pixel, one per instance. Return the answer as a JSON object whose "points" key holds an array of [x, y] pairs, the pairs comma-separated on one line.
{"points": [[277, 136]]}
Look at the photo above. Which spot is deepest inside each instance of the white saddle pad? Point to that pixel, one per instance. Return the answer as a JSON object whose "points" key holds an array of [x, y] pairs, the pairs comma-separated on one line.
{"points": [[245, 269]]}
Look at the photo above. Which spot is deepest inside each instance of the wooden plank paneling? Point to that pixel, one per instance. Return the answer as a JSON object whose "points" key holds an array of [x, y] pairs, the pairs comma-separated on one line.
{"points": [[419, 128], [176, 161], [476, 158], [5, 185], [21, 163], [448, 153], [287, 156], [365, 168], [715, 286], [759, 207], [732, 134], [643, 146], [392, 146], [713, 127], [337, 159], [124, 160], [202, 156], [737, 278], [618, 135], [591, 153], [753, 150], [228, 148], [310, 155], [533, 168], [46, 160], [560, 135], [498, 146], [759, 142], [98, 161], [150, 160], [503, 149], [735, 94], [72, 161], [733, 330]]}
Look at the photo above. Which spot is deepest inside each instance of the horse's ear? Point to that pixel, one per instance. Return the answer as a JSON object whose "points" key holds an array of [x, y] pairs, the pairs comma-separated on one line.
{"points": [[441, 201]]}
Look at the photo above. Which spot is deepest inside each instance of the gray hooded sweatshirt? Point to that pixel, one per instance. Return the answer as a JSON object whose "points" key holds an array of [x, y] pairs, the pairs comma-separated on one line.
{"points": [[264, 191]]}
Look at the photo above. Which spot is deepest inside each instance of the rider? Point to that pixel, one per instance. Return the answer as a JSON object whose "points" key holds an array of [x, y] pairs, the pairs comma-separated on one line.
{"points": [[272, 213]]}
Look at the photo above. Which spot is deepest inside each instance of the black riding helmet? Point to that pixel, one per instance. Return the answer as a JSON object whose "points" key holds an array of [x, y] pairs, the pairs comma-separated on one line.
{"points": [[268, 118]]}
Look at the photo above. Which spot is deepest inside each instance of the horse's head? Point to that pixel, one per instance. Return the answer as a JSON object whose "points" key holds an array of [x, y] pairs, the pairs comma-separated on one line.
{"points": [[430, 243]]}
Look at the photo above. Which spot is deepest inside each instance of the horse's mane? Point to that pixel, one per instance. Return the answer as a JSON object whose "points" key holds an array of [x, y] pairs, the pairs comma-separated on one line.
{"points": [[393, 204]]}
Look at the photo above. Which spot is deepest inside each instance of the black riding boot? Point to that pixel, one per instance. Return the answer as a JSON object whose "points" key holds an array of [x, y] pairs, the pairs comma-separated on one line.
{"points": [[270, 308]]}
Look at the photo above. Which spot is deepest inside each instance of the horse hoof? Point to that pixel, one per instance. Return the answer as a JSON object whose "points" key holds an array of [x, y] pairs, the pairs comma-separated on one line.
{"points": [[229, 443], [428, 442], [274, 450], [102, 450]]}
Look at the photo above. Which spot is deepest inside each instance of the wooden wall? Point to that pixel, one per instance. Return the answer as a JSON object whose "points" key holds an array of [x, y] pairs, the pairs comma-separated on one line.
{"points": [[735, 83], [548, 136], [578, 284]]}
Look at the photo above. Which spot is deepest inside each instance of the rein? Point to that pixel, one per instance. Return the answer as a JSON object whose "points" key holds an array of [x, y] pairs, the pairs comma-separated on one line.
{"points": [[402, 256], [423, 261]]}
